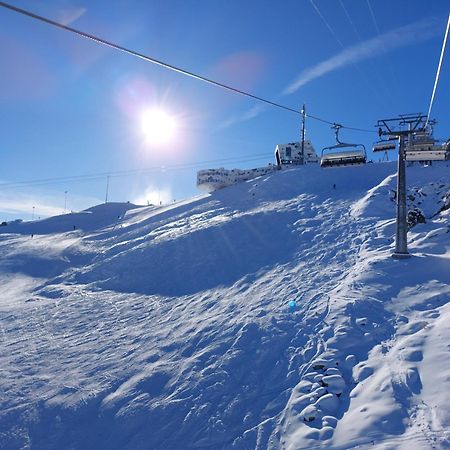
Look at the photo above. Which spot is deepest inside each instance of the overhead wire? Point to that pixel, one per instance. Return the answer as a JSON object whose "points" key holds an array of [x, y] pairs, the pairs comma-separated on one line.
{"points": [[352, 23], [374, 19], [377, 29], [141, 55], [374, 67], [121, 173], [162, 63], [438, 71], [325, 21], [369, 84]]}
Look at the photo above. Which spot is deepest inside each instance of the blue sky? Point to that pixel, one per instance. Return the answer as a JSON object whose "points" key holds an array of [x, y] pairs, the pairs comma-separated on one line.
{"points": [[72, 107]]}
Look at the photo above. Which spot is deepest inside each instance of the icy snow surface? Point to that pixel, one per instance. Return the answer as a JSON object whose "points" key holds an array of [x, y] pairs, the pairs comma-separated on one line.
{"points": [[170, 328]]}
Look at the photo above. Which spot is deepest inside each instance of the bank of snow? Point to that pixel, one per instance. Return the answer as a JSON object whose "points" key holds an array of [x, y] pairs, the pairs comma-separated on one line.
{"points": [[170, 327]]}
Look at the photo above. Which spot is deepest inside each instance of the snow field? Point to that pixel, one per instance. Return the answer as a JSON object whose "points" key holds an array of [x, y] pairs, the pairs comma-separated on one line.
{"points": [[170, 327]]}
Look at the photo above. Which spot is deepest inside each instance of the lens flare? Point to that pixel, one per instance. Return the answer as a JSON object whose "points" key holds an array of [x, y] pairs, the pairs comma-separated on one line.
{"points": [[158, 126]]}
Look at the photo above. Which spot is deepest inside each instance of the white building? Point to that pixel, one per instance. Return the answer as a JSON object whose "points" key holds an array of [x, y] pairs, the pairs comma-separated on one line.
{"points": [[210, 180], [291, 153]]}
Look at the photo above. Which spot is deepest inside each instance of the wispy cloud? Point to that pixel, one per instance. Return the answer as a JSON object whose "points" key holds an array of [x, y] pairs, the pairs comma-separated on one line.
{"points": [[247, 115], [377, 46], [371, 48], [70, 15]]}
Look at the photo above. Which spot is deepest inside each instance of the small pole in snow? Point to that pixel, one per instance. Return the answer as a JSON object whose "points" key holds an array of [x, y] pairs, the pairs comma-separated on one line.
{"points": [[65, 201], [32, 215], [107, 188]]}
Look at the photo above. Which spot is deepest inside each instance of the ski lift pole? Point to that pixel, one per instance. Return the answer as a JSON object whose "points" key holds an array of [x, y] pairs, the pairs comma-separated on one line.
{"points": [[303, 133], [401, 242]]}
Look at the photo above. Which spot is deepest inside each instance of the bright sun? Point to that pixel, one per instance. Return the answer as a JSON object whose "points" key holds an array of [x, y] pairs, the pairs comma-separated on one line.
{"points": [[158, 126]]}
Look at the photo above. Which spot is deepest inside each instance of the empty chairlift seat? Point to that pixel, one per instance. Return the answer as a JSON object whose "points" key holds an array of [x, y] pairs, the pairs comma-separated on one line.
{"points": [[342, 154], [384, 146], [343, 158]]}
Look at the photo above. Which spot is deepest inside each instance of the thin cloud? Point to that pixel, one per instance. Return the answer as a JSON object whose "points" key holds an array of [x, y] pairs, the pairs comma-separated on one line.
{"points": [[248, 115], [69, 15], [384, 43]]}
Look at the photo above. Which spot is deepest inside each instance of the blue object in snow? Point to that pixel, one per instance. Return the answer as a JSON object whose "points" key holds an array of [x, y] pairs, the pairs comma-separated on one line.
{"points": [[292, 305]]}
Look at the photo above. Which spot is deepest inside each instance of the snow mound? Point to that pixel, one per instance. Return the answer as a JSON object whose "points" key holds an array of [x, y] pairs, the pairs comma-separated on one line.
{"points": [[90, 219]]}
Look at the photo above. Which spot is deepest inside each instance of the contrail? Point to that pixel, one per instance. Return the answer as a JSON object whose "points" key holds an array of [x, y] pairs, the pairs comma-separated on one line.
{"points": [[384, 43]]}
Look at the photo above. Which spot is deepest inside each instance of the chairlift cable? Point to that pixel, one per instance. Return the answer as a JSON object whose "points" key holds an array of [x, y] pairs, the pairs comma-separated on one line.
{"points": [[438, 71], [141, 55], [146, 58]]}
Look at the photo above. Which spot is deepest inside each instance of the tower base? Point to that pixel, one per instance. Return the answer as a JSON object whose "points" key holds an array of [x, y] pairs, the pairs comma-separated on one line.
{"points": [[401, 255]]}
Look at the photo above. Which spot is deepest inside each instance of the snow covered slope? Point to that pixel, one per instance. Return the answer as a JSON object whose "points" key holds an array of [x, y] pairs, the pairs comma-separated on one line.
{"points": [[170, 328]]}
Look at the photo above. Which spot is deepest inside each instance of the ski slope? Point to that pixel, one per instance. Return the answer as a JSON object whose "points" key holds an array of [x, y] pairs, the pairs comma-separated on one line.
{"points": [[170, 327]]}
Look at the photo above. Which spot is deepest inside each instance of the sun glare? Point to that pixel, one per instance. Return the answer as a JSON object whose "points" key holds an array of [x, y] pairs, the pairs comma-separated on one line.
{"points": [[158, 126]]}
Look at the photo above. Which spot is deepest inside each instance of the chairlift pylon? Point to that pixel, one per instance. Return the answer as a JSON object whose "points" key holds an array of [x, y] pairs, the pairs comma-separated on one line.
{"points": [[342, 158]]}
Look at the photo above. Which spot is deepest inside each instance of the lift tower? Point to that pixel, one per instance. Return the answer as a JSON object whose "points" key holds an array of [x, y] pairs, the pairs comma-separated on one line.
{"points": [[395, 129]]}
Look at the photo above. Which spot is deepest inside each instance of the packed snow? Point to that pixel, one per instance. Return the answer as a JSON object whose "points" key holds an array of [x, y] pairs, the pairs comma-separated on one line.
{"points": [[267, 315]]}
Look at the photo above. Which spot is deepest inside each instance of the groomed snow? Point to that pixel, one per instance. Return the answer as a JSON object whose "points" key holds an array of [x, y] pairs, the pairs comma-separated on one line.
{"points": [[170, 328]]}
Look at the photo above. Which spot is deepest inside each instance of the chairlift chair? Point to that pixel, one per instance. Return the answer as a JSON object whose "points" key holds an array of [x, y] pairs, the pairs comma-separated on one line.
{"points": [[435, 153], [423, 147], [384, 145], [332, 158]]}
